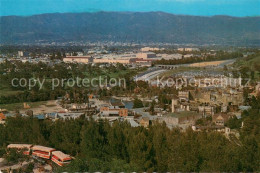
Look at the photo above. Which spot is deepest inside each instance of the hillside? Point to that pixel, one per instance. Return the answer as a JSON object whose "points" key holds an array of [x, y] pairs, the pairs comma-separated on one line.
{"points": [[251, 62], [130, 26]]}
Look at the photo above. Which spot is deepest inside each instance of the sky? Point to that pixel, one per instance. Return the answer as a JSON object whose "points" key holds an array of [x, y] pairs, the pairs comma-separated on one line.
{"points": [[238, 8]]}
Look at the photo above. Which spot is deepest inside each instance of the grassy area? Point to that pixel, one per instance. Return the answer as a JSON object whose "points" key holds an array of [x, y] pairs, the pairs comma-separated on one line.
{"points": [[251, 63], [6, 91], [248, 62], [116, 75], [15, 106]]}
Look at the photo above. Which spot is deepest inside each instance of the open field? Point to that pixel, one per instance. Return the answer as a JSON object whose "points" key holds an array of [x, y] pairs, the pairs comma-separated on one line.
{"points": [[15, 106], [251, 63], [44, 107], [36, 107], [205, 64], [5, 90], [212, 63]]}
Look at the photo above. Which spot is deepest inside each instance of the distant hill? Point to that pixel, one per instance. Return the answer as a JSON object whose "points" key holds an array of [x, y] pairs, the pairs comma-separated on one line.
{"points": [[130, 26]]}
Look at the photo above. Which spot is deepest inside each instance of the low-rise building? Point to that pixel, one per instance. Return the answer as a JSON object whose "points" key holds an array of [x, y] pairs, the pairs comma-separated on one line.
{"points": [[220, 119], [114, 60], [184, 95], [113, 111], [78, 59], [60, 158], [206, 110], [179, 118], [147, 49], [146, 55], [145, 121]]}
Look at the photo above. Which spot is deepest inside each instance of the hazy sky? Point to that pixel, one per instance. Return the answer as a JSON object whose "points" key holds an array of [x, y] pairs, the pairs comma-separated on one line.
{"points": [[190, 7]]}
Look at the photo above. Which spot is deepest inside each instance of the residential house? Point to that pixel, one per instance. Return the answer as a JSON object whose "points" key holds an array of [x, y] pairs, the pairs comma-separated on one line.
{"points": [[113, 111], [117, 104], [206, 110], [145, 121], [220, 119], [184, 96]]}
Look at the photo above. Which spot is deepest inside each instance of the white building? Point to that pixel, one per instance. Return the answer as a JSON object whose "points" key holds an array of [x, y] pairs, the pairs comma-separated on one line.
{"points": [[78, 59], [20, 53]]}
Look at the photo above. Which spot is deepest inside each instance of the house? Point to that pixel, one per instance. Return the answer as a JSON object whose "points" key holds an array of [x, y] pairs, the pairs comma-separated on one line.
{"points": [[180, 118], [113, 111], [206, 110], [60, 158], [178, 106], [145, 121], [220, 119], [117, 104], [184, 96], [2, 118]]}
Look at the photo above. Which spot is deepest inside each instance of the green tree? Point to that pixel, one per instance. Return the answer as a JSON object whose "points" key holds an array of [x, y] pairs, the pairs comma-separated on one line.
{"points": [[138, 103]]}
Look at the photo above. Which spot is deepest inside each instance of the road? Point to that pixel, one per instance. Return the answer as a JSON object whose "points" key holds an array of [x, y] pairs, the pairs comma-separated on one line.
{"points": [[149, 76], [16, 166]]}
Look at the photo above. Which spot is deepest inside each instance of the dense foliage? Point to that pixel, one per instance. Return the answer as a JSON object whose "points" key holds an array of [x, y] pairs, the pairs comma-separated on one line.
{"points": [[138, 103]]}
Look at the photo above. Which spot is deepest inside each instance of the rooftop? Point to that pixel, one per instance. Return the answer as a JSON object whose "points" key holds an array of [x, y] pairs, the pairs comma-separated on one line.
{"points": [[19, 146], [42, 148], [182, 114], [117, 104], [80, 57], [61, 155]]}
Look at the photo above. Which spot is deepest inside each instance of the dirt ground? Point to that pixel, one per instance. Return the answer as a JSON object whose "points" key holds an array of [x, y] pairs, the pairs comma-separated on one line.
{"points": [[205, 64], [49, 107]]}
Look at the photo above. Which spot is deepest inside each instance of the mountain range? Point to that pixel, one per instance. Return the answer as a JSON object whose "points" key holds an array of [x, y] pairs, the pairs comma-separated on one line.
{"points": [[130, 27]]}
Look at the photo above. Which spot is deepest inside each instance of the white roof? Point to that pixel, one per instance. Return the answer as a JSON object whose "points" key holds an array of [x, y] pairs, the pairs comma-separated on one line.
{"points": [[61, 155], [19, 146], [42, 148]]}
